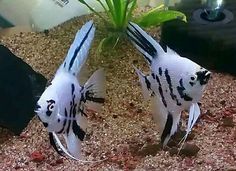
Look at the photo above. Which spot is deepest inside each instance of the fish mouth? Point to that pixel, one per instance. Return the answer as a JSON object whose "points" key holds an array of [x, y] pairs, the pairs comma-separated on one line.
{"points": [[203, 76], [36, 108]]}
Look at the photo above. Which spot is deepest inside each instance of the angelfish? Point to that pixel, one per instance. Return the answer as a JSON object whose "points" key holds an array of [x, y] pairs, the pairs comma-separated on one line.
{"points": [[174, 84], [62, 106]]}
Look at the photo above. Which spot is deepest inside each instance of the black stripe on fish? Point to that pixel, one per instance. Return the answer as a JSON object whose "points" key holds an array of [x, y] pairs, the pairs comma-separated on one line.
{"points": [[161, 91], [168, 126], [142, 42], [191, 83], [48, 113], [82, 112], [72, 89], [160, 71], [80, 133], [64, 123], [173, 96], [147, 82], [181, 92], [89, 95], [149, 47], [82, 99], [53, 143], [45, 124], [79, 47], [153, 76], [141, 46], [72, 111]]}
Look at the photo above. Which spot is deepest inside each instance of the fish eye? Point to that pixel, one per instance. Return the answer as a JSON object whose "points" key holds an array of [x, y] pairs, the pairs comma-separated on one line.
{"points": [[51, 106], [193, 77]]}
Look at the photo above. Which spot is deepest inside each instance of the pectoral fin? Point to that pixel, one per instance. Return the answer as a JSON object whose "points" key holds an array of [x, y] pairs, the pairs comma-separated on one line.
{"points": [[94, 91]]}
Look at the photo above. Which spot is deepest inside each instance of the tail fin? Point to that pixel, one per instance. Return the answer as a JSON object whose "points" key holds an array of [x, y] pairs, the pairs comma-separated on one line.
{"points": [[94, 90], [144, 43], [145, 83], [79, 49]]}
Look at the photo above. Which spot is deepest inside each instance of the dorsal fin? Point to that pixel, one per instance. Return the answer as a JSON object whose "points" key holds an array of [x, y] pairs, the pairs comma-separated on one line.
{"points": [[149, 47], [79, 49]]}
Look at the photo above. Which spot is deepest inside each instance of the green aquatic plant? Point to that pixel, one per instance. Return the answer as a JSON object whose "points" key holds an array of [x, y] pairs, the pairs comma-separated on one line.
{"points": [[157, 16], [119, 12]]}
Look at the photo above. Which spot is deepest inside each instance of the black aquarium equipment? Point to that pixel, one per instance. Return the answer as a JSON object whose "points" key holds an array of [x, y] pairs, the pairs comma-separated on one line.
{"points": [[208, 37]]}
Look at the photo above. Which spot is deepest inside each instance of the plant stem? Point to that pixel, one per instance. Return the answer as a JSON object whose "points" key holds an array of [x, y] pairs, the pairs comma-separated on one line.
{"points": [[103, 6], [91, 9]]}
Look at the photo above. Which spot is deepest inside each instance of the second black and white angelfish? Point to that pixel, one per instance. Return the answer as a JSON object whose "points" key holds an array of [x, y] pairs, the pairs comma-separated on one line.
{"points": [[61, 107], [175, 83]]}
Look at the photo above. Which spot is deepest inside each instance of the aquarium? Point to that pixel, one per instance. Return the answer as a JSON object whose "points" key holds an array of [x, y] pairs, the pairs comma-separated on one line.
{"points": [[117, 85]]}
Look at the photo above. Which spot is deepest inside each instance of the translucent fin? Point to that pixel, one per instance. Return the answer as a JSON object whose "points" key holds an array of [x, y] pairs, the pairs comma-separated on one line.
{"points": [[79, 49], [171, 126], [83, 75], [194, 114], [73, 144], [53, 143], [159, 113], [149, 47], [167, 120], [94, 90], [58, 141], [145, 84]]}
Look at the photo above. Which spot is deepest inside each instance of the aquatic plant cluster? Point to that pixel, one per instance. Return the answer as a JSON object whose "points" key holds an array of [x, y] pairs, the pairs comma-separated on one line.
{"points": [[119, 12]]}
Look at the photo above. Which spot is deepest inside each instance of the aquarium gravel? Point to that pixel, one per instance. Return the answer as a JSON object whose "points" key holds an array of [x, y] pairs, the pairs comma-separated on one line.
{"points": [[124, 127]]}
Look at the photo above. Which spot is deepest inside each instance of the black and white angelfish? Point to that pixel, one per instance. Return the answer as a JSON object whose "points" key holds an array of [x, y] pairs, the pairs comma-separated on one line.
{"points": [[61, 107], [175, 83]]}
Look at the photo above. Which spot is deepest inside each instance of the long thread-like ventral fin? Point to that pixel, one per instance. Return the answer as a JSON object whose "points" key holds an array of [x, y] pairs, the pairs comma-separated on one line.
{"points": [[54, 145], [79, 49], [194, 113], [144, 42]]}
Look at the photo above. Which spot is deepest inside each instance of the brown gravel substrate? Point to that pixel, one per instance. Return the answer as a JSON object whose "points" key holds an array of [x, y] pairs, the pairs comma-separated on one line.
{"points": [[125, 125]]}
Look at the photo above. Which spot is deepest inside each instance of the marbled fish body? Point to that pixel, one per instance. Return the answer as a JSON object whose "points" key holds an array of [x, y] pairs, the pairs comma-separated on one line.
{"points": [[174, 84], [61, 107]]}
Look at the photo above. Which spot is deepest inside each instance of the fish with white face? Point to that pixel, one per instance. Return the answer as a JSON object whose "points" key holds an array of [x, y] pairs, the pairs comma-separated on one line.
{"points": [[62, 106], [174, 84]]}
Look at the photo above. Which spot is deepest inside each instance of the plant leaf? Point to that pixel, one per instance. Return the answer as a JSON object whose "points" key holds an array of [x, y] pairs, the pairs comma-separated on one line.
{"points": [[157, 16], [131, 9], [91, 9]]}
